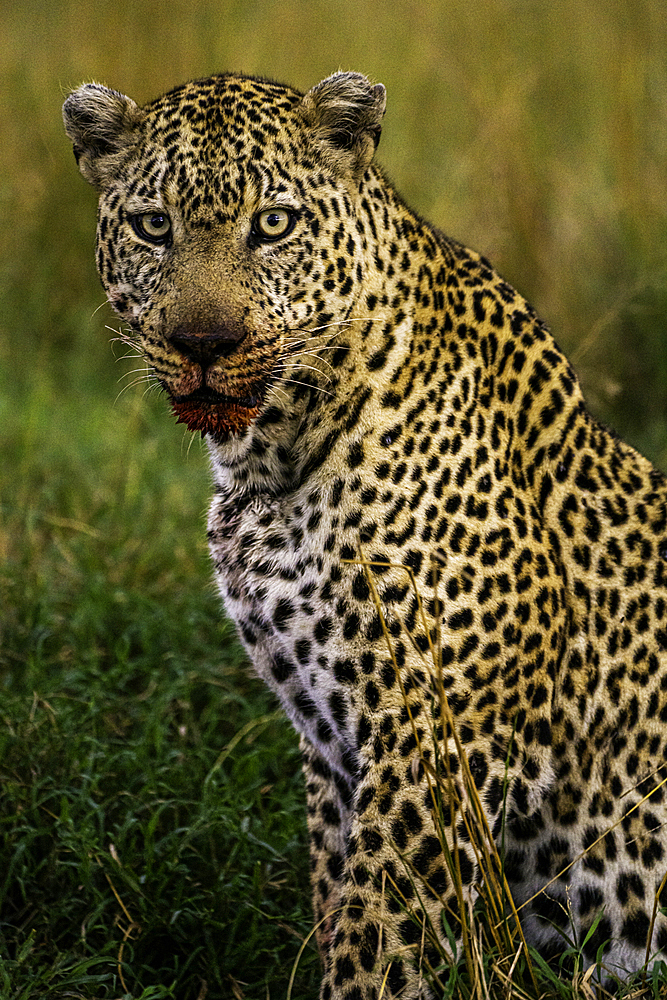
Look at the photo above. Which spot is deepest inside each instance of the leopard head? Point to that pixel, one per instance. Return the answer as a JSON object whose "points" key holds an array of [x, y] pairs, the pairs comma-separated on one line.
{"points": [[228, 234]]}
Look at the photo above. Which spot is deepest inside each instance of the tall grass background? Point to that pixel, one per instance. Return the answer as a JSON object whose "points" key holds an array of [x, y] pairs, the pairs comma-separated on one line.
{"points": [[152, 838]]}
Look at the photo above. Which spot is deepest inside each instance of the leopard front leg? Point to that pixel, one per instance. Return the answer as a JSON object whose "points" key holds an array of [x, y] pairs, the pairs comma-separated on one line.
{"points": [[328, 800], [396, 885], [393, 889]]}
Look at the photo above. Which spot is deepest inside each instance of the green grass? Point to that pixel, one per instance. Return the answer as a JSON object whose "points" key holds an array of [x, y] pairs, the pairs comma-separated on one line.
{"points": [[123, 827], [152, 831]]}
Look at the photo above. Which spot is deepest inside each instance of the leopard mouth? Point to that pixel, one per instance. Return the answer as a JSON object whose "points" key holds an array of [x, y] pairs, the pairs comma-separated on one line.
{"points": [[214, 413], [209, 397]]}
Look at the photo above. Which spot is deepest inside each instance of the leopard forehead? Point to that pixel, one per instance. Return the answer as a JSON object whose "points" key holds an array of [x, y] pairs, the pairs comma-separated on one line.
{"points": [[224, 127], [229, 105]]}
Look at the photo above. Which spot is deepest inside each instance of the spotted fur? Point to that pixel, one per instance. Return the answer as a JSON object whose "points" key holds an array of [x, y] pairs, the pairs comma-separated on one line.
{"points": [[365, 384]]}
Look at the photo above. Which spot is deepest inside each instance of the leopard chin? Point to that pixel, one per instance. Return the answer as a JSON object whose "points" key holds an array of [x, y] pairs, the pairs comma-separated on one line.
{"points": [[219, 419]]}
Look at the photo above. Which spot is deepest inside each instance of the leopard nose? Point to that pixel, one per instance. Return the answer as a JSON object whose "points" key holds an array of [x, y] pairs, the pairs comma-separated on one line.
{"points": [[208, 347]]}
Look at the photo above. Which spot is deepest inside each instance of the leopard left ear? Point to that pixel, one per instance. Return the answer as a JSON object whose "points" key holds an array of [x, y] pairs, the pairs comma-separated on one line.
{"points": [[345, 114], [102, 124]]}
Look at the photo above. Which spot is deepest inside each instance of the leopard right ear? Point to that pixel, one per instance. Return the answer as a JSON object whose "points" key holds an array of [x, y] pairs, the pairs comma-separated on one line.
{"points": [[102, 125], [344, 114]]}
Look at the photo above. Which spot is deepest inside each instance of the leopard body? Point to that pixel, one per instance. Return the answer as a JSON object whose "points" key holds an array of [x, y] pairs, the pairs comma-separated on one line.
{"points": [[408, 492]]}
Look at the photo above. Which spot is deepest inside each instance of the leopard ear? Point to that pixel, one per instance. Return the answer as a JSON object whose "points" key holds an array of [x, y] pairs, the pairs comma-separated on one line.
{"points": [[345, 114], [101, 124]]}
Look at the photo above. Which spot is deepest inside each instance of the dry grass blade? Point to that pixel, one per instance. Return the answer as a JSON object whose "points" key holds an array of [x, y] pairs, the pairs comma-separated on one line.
{"points": [[598, 840], [131, 930], [304, 945], [654, 913]]}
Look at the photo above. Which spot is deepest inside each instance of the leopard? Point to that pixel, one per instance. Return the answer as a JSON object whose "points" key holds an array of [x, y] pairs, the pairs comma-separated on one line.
{"points": [[412, 506]]}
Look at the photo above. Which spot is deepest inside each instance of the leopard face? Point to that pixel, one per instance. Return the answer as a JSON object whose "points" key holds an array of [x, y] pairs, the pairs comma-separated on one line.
{"points": [[225, 264], [372, 392]]}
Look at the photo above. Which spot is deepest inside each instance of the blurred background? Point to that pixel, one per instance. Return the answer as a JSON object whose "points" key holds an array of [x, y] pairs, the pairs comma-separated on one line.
{"points": [[534, 132]]}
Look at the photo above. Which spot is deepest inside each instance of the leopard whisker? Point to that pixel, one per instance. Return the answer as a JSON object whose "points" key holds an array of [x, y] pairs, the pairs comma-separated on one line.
{"points": [[191, 438], [275, 390], [317, 342], [97, 309], [341, 322], [144, 372], [124, 357], [131, 385], [311, 368], [317, 349], [308, 385], [119, 331], [127, 341], [312, 354]]}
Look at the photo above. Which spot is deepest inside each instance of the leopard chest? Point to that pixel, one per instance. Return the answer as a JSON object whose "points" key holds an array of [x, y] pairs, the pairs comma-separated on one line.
{"points": [[280, 567]]}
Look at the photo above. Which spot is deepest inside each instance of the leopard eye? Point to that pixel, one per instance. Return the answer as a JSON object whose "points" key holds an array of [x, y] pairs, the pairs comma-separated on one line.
{"points": [[273, 224], [152, 226]]}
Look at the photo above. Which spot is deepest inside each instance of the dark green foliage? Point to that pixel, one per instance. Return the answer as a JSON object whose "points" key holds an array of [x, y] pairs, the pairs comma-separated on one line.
{"points": [[123, 816]]}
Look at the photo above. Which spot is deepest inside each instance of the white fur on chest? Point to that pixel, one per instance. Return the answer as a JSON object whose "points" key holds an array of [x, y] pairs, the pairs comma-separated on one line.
{"points": [[272, 566]]}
